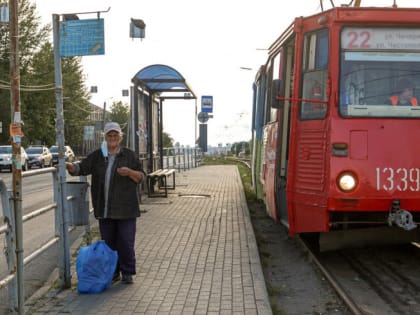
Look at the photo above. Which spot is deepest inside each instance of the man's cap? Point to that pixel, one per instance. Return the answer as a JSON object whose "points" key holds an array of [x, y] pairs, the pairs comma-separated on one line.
{"points": [[112, 126]]}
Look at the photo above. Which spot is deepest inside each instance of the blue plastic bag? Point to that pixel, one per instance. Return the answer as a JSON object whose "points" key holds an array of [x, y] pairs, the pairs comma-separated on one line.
{"points": [[95, 267]]}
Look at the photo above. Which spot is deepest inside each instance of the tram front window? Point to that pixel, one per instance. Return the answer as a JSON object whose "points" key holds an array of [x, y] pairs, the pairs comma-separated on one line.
{"points": [[372, 67]]}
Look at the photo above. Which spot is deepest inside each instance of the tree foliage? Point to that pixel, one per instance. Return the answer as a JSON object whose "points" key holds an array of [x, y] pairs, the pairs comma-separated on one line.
{"points": [[38, 101], [167, 140], [31, 37], [120, 113]]}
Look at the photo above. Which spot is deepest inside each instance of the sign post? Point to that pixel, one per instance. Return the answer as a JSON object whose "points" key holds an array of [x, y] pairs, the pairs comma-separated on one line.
{"points": [[71, 37]]}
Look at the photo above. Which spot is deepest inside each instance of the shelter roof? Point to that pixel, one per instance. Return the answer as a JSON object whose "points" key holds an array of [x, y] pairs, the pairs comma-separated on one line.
{"points": [[164, 81]]}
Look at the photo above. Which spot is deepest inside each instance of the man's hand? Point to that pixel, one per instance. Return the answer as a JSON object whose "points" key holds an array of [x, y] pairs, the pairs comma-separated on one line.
{"points": [[70, 167], [124, 171]]}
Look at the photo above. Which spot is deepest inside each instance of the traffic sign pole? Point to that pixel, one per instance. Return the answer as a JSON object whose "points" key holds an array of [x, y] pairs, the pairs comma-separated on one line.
{"points": [[65, 276]]}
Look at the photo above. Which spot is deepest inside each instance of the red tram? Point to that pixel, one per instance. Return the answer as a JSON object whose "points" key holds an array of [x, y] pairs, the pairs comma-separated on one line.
{"points": [[331, 152]]}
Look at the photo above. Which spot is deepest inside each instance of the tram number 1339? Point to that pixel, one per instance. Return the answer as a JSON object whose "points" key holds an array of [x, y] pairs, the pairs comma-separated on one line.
{"points": [[401, 179]]}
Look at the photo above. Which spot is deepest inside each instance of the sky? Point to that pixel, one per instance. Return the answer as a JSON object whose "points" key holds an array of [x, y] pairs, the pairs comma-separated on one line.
{"points": [[216, 45]]}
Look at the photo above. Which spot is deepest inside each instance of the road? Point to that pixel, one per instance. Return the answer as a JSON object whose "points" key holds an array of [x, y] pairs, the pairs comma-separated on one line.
{"points": [[37, 192]]}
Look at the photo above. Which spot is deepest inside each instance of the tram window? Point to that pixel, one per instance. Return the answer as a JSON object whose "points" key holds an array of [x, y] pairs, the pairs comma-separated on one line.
{"points": [[313, 95], [315, 65], [322, 50], [273, 74], [372, 62], [368, 79], [316, 51]]}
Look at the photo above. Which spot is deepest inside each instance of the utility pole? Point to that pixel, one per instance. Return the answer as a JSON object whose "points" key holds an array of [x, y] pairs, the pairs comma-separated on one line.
{"points": [[16, 135]]}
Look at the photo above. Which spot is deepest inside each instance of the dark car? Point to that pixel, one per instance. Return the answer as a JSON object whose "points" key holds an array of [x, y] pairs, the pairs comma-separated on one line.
{"points": [[68, 154], [39, 156]]}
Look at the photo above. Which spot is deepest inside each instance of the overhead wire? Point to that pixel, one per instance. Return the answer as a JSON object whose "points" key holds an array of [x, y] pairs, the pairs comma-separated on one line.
{"points": [[28, 88]]}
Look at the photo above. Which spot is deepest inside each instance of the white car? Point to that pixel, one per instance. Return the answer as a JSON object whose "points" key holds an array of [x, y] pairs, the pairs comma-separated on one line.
{"points": [[68, 154], [39, 156], [6, 158]]}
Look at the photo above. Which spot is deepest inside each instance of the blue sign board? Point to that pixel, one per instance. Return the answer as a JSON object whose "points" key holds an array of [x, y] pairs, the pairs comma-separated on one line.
{"points": [[207, 104], [82, 37], [4, 13]]}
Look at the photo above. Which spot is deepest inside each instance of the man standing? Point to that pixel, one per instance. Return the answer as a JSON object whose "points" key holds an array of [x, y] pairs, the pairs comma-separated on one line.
{"points": [[116, 173]]}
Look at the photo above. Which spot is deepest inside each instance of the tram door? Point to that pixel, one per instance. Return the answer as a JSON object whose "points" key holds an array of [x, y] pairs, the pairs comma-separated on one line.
{"points": [[311, 133], [286, 73]]}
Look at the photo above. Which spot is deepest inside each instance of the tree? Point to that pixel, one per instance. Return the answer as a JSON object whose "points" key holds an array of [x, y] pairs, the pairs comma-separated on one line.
{"points": [[31, 37], [167, 140], [38, 103], [120, 114], [76, 100]]}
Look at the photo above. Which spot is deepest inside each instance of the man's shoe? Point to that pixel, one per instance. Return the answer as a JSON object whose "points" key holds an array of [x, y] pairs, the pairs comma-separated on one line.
{"points": [[116, 277], [127, 278]]}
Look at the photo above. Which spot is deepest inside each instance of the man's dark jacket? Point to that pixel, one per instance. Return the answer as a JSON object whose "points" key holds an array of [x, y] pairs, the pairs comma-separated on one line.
{"points": [[123, 197]]}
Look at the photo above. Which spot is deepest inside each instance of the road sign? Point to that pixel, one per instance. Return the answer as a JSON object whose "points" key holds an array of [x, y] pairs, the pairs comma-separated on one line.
{"points": [[207, 103], [82, 37], [4, 13], [203, 117]]}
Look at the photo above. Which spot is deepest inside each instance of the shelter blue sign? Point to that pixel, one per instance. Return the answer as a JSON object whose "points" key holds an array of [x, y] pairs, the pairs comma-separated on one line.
{"points": [[207, 104], [82, 37]]}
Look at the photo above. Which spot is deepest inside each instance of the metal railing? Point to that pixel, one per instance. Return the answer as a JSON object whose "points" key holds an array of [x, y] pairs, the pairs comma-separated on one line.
{"points": [[175, 157], [15, 293]]}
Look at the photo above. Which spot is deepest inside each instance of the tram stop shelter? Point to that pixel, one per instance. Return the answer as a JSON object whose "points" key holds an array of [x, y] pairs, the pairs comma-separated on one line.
{"points": [[152, 85]]}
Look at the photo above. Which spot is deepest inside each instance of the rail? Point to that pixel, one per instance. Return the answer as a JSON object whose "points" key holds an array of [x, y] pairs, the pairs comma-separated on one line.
{"points": [[61, 230], [174, 157]]}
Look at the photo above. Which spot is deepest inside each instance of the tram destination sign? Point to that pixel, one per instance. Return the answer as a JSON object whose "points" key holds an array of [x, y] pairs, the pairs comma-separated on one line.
{"points": [[82, 37], [365, 38]]}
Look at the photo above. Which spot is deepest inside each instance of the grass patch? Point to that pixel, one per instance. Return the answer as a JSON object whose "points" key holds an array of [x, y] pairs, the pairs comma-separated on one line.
{"points": [[272, 292], [91, 237]]}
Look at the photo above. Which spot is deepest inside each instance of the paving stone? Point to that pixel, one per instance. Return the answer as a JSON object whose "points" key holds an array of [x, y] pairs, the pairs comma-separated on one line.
{"points": [[196, 254]]}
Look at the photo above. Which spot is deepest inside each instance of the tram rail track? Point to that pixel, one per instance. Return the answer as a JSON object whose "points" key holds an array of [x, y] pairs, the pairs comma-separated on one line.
{"points": [[376, 280], [349, 302]]}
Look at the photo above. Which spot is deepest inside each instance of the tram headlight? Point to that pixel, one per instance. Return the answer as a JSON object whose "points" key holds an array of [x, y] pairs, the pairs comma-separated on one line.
{"points": [[347, 181]]}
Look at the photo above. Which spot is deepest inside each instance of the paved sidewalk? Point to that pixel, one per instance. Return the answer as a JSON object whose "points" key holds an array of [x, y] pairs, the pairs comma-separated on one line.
{"points": [[196, 254]]}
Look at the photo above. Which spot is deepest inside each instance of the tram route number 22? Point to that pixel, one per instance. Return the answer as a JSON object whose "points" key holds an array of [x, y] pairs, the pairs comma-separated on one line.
{"points": [[401, 179], [359, 40]]}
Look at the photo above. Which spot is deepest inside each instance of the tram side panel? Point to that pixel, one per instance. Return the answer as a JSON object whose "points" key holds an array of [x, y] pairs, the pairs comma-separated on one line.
{"points": [[270, 168], [256, 168]]}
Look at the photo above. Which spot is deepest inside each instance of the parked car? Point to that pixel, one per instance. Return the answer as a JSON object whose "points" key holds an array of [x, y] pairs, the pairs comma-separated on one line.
{"points": [[6, 158], [68, 154], [39, 156]]}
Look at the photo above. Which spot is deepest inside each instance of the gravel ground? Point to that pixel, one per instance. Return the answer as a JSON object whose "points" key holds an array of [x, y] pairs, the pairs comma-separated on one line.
{"points": [[294, 284]]}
